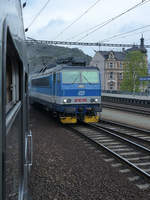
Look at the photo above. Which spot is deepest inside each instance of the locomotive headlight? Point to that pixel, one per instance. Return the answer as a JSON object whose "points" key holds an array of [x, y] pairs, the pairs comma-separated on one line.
{"points": [[94, 100], [68, 100], [65, 100]]}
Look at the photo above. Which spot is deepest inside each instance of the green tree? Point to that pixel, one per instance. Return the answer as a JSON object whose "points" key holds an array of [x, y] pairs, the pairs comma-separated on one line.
{"points": [[135, 66]]}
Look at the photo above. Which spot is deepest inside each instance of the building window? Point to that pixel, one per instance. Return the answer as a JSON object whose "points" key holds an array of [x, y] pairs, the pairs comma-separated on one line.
{"points": [[111, 75], [121, 65], [120, 76], [110, 64], [111, 86], [111, 55]]}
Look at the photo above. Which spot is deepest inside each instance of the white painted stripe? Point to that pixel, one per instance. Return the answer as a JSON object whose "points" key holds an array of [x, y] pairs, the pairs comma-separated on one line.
{"points": [[59, 100]]}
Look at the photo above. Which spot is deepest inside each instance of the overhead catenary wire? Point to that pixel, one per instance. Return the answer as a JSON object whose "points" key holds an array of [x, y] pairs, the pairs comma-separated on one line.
{"points": [[114, 18], [133, 34], [125, 33], [86, 30], [101, 25], [37, 15], [78, 18]]}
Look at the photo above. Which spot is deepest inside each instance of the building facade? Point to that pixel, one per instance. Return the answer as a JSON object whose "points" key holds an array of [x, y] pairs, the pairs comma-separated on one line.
{"points": [[111, 65]]}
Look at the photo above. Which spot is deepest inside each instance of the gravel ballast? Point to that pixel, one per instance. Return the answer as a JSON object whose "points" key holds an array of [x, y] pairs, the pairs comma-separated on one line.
{"points": [[65, 167]]}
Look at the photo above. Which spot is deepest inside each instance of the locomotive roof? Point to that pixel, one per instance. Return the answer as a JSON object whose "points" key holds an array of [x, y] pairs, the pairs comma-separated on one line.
{"points": [[45, 71]]}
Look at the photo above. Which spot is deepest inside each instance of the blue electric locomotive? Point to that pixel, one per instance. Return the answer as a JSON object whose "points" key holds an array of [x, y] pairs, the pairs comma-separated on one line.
{"points": [[73, 92]]}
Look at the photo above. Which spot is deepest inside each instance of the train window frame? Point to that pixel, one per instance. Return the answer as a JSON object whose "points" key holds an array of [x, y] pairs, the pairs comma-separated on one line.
{"points": [[42, 82], [9, 114], [14, 85]]}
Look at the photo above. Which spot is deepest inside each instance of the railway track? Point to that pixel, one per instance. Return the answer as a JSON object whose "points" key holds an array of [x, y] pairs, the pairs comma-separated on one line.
{"points": [[119, 144], [134, 134], [128, 108]]}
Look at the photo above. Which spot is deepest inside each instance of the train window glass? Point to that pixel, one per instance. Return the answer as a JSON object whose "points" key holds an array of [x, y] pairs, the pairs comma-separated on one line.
{"points": [[71, 76], [12, 80], [79, 76], [40, 82], [8, 82], [90, 77]]}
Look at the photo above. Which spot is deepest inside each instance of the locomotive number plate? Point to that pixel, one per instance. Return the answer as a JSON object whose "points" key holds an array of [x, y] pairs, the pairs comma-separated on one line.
{"points": [[80, 100]]}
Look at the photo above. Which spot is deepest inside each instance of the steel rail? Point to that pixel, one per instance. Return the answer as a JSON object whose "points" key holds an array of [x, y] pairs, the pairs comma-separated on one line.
{"points": [[141, 140], [145, 131], [121, 138], [89, 138]]}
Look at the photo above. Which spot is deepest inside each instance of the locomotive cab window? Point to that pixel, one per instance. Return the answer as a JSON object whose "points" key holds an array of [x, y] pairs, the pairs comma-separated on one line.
{"points": [[80, 76]]}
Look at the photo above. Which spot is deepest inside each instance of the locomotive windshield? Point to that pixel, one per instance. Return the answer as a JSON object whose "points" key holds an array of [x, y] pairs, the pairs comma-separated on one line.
{"points": [[80, 76]]}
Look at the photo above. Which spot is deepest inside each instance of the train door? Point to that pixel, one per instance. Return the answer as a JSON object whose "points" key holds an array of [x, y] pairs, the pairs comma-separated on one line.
{"points": [[58, 84], [12, 122], [54, 87]]}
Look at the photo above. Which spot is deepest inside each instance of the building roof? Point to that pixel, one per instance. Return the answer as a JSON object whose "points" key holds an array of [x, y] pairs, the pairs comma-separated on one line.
{"points": [[118, 55], [136, 48]]}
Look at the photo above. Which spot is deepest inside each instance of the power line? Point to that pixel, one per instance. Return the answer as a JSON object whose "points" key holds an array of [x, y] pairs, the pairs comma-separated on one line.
{"points": [[78, 18], [141, 32], [98, 25], [37, 15], [86, 30], [121, 34], [114, 18], [101, 25]]}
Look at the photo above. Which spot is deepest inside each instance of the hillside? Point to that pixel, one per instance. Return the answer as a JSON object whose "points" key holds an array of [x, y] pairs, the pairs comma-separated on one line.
{"points": [[42, 54]]}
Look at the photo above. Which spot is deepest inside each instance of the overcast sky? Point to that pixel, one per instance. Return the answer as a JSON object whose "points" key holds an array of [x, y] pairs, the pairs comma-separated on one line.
{"points": [[60, 13]]}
